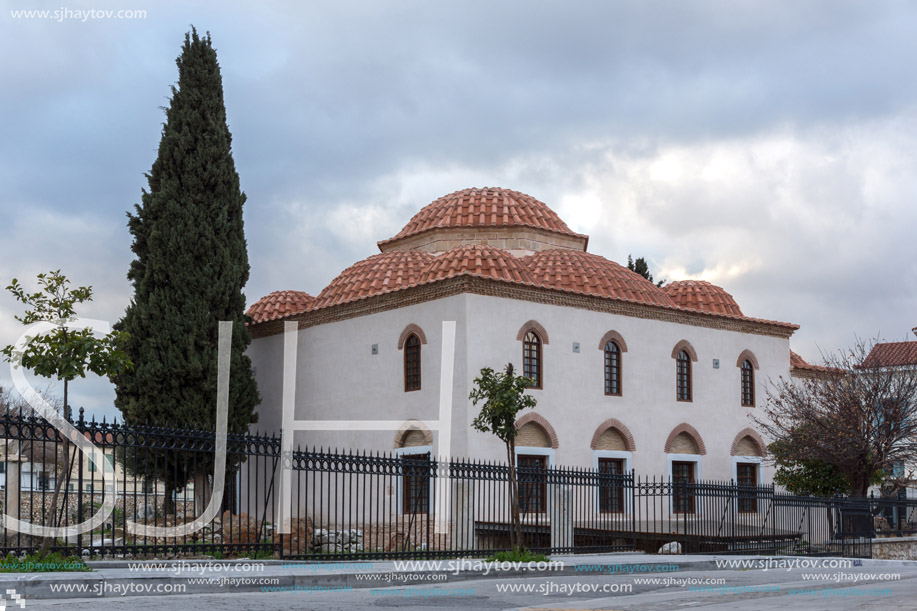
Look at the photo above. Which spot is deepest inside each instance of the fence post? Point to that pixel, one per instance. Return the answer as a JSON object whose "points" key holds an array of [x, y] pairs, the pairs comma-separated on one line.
{"points": [[463, 515], [562, 518], [13, 489]]}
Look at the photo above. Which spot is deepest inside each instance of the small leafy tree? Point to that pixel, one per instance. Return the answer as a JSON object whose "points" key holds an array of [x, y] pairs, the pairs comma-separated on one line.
{"points": [[63, 353], [807, 477], [504, 397], [641, 267]]}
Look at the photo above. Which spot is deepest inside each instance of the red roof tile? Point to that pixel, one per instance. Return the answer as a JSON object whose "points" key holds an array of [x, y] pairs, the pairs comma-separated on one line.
{"points": [[382, 273], [893, 354], [486, 207], [797, 362], [560, 269], [703, 296], [279, 304], [477, 260], [589, 274]]}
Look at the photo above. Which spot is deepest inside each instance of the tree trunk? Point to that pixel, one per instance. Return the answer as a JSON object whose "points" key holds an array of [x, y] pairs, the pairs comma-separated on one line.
{"points": [[202, 489], [168, 503], [516, 533], [861, 487], [58, 483]]}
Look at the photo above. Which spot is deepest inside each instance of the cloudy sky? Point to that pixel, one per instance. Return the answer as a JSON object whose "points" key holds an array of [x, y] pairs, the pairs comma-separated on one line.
{"points": [[768, 147]]}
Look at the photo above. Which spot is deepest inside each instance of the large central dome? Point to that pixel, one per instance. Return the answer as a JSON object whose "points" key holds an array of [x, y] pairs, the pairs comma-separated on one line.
{"points": [[495, 217]]}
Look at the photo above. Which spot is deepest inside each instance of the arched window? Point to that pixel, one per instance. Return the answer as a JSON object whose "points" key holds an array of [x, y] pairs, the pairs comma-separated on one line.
{"points": [[748, 384], [683, 376], [612, 369], [531, 358], [412, 363]]}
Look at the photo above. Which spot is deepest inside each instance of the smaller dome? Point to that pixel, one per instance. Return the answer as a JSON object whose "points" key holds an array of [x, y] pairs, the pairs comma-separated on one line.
{"points": [[279, 304], [703, 296], [589, 274], [485, 209], [477, 260], [382, 273]]}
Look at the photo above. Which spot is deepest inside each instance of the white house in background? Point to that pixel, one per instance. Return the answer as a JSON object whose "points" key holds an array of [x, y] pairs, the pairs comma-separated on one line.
{"points": [[628, 375], [896, 356]]}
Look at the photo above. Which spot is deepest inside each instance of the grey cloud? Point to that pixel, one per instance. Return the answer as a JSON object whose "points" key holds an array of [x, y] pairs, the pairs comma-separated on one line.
{"points": [[388, 105]]}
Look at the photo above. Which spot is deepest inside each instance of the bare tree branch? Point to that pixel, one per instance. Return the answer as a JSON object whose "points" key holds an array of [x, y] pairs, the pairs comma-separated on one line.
{"points": [[858, 415]]}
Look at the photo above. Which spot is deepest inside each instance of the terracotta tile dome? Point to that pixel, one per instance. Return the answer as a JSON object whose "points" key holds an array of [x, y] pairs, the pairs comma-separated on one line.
{"points": [[484, 208], [279, 304], [703, 296], [477, 260], [582, 272], [382, 273]]}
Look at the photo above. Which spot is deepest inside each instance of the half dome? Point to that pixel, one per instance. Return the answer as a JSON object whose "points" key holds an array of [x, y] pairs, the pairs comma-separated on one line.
{"points": [[279, 304], [382, 273], [703, 296], [502, 218], [589, 274], [477, 260]]}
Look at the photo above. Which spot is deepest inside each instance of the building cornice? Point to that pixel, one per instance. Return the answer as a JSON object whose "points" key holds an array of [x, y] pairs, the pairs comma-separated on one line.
{"points": [[458, 285]]}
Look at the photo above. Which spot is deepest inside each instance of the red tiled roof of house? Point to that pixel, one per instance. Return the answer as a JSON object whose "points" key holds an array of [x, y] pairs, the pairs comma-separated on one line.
{"points": [[477, 260], [892, 354], [378, 274], [797, 362], [279, 304], [589, 274], [702, 295], [485, 207]]}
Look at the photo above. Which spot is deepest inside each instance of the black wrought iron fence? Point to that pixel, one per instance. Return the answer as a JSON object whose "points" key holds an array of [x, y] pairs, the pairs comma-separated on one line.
{"points": [[321, 504]]}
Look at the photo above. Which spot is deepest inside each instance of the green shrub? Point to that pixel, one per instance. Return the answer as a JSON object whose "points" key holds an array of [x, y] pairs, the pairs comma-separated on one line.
{"points": [[523, 556], [35, 563]]}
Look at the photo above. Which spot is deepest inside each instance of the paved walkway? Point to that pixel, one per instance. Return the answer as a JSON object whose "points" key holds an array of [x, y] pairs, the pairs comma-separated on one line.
{"points": [[185, 577], [872, 585]]}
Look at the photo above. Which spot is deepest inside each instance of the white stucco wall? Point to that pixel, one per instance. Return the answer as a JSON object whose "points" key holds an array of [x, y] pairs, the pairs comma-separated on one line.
{"points": [[573, 399], [339, 378]]}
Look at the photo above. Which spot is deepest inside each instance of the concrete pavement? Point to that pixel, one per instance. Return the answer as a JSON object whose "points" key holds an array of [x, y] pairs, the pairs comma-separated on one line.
{"points": [[680, 580], [745, 589]]}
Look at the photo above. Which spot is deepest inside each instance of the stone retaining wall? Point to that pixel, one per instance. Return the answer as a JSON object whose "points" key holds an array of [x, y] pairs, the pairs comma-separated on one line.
{"points": [[895, 548]]}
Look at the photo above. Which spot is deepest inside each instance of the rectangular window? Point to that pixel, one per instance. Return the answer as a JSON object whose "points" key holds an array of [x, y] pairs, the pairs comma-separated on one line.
{"points": [[531, 358], [612, 369], [416, 483], [683, 487], [747, 479], [683, 376], [532, 477], [109, 462], [412, 363], [611, 485], [748, 384]]}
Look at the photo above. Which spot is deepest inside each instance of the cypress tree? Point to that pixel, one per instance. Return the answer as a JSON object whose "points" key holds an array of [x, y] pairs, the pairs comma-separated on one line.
{"points": [[190, 267]]}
